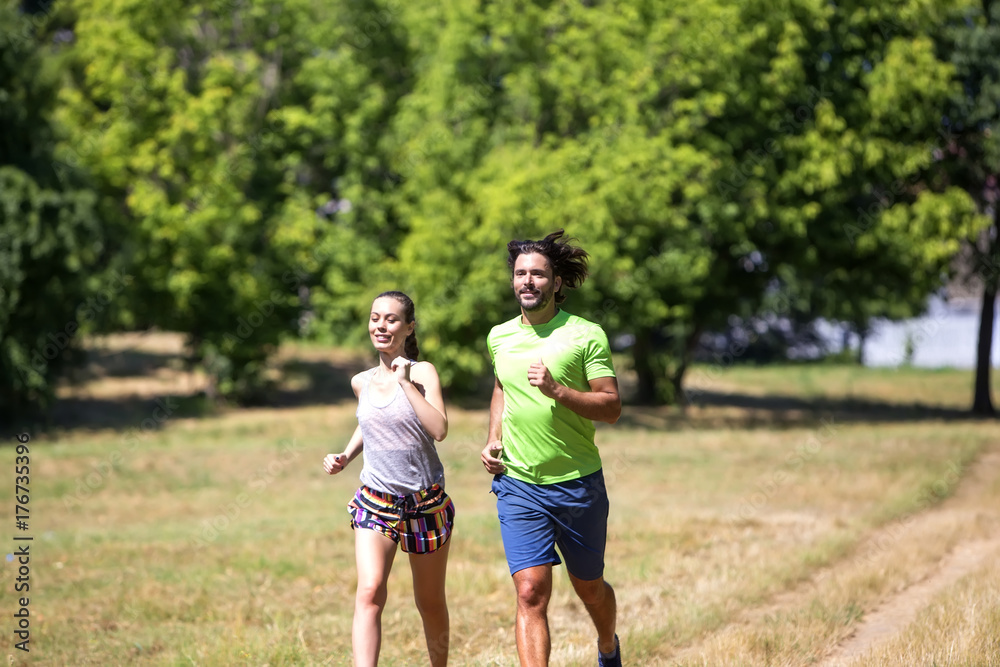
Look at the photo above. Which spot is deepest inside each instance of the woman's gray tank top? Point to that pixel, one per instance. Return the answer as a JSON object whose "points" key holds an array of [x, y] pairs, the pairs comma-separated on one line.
{"points": [[400, 455]]}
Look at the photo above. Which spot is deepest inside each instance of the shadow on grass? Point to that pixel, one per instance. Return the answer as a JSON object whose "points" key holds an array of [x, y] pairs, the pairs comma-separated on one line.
{"points": [[145, 414], [103, 363], [143, 390], [125, 389], [314, 382], [325, 383], [734, 410]]}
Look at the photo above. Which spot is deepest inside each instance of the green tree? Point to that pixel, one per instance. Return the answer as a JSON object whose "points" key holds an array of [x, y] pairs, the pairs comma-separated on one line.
{"points": [[51, 238], [226, 130], [285, 161], [969, 155], [707, 153], [526, 119]]}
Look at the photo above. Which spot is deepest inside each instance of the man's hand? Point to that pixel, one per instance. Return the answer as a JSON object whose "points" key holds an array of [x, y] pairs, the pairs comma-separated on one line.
{"points": [[491, 458], [539, 376]]}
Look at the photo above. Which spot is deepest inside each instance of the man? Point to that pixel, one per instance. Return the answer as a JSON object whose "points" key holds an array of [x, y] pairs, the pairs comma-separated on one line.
{"points": [[554, 377]]}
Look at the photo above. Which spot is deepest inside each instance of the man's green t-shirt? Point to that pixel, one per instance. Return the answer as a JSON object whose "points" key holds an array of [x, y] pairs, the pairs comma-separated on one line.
{"points": [[545, 442]]}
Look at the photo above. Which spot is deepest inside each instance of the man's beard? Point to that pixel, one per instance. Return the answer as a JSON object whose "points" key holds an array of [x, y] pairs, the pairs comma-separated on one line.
{"points": [[543, 301]]}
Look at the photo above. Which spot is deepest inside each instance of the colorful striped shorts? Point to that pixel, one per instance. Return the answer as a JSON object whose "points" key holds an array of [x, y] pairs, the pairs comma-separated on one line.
{"points": [[420, 523]]}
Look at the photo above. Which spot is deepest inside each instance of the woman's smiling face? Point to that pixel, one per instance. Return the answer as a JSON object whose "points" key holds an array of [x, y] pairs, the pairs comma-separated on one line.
{"points": [[387, 325]]}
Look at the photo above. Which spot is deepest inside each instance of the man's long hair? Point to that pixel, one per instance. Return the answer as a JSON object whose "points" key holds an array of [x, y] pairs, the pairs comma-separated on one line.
{"points": [[568, 261]]}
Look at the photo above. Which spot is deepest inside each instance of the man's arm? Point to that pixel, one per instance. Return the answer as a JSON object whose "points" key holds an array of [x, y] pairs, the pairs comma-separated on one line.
{"points": [[602, 403], [496, 412], [494, 445]]}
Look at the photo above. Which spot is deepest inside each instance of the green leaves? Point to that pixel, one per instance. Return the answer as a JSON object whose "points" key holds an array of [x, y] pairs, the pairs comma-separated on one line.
{"points": [[51, 239], [264, 169]]}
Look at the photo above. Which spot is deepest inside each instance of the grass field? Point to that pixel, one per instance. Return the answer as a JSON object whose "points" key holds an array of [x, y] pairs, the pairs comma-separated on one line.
{"points": [[792, 516]]}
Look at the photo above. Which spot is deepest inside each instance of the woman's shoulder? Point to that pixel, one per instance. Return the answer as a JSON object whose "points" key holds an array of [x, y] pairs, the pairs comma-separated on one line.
{"points": [[358, 381], [423, 369]]}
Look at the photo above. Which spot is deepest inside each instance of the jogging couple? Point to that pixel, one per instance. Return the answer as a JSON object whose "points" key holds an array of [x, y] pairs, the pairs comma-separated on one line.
{"points": [[553, 378]]}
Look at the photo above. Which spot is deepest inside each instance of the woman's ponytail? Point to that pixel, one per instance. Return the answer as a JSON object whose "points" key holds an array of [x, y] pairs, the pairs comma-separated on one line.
{"points": [[410, 348]]}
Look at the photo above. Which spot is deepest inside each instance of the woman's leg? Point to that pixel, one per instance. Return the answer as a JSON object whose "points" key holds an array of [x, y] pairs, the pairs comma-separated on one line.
{"points": [[429, 593], [374, 553]]}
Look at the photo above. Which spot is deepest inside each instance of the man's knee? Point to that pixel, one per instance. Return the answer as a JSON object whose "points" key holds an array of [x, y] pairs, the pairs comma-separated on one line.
{"points": [[533, 592], [592, 592]]}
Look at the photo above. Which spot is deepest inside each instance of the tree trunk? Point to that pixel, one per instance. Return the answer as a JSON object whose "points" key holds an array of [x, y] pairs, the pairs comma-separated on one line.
{"points": [[652, 368], [677, 378], [644, 368], [982, 404]]}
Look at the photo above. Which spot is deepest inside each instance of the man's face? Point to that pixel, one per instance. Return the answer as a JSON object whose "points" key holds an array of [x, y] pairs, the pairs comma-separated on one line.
{"points": [[534, 284]]}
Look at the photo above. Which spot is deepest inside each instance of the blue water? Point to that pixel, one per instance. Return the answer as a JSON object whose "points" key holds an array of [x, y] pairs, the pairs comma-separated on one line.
{"points": [[945, 337]]}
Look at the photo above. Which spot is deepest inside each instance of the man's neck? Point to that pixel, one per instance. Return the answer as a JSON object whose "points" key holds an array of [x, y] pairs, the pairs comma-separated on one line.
{"points": [[537, 318]]}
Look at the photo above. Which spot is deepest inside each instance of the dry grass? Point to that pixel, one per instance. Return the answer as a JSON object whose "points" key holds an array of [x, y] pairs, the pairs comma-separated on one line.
{"points": [[903, 386], [219, 540], [958, 628]]}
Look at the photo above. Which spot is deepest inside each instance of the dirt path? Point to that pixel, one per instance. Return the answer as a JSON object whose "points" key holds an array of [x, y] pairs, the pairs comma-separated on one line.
{"points": [[895, 613], [899, 611]]}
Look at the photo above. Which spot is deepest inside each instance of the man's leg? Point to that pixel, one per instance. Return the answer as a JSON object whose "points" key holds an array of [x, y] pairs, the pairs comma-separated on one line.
{"points": [[599, 599], [534, 589]]}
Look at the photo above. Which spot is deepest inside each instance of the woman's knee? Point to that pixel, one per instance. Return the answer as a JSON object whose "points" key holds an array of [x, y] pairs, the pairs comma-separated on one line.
{"points": [[434, 603], [372, 594]]}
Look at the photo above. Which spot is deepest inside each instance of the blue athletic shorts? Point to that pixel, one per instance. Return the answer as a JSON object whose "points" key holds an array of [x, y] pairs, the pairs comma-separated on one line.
{"points": [[534, 518]]}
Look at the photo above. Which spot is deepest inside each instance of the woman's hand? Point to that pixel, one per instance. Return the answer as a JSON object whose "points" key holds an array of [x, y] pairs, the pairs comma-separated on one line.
{"points": [[401, 366], [334, 463]]}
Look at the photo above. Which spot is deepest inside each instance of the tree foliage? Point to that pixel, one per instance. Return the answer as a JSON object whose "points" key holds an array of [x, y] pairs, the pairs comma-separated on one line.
{"points": [[707, 154], [223, 128], [51, 239], [268, 167], [969, 157]]}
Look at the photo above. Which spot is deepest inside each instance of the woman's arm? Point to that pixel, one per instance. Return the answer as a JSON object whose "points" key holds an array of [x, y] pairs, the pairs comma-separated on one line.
{"points": [[334, 463], [429, 404]]}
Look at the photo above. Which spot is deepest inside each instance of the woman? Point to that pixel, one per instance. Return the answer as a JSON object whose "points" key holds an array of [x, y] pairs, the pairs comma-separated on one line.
{"points": [[401, 500]]}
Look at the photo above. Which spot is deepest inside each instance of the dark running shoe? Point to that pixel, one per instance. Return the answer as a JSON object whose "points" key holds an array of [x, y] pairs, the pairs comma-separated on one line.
{"points": [[611, 662]]}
